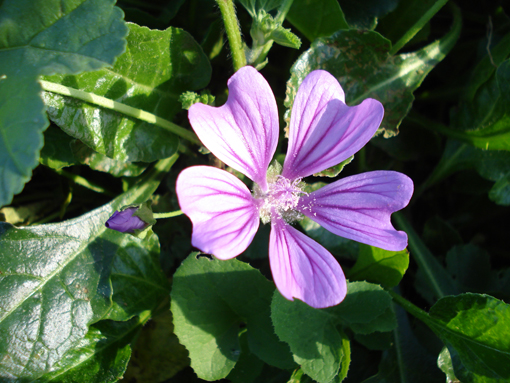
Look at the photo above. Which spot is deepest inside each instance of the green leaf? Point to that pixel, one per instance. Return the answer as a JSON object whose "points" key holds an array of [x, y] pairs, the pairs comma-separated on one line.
{"points": [[100, 357], [31, 44], [380, 266], [433, 281], [248, 367], [364, 14], [157, 353], [470, 266], [407, 361], [285, 37], [231, 295], [97, 161], [444, 362], [484, 121], [475, 329], [56, 152], [56, 281], [366, 309], [493, 165], [317, 18], [487, 66], [314, 336], [361, 62], [151, 75], [334, 170], [137, 279], [408, 19]]}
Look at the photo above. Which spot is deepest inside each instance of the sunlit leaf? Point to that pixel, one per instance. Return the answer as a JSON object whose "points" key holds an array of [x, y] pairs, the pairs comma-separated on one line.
{"points": [[31, 44], [380, 266], [231, 295], [314, 335], [151, 75], [474, 328], [57, 280]]}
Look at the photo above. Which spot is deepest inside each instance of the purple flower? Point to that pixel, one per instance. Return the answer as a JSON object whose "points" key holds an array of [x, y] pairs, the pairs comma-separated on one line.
{"points": [[125, 222], [324, 131]]}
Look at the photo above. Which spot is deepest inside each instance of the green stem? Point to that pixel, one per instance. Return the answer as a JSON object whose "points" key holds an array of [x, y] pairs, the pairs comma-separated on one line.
{"points": [[167, 215], [442, 170], [417, 26], [121, 108], [233, 33], [410, 308], [421, 254], [283, 10], [84, 182]]}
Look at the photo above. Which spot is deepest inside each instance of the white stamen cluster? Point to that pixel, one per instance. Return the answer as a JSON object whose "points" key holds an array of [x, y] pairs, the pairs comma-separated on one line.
{"points": [[281, 199]]}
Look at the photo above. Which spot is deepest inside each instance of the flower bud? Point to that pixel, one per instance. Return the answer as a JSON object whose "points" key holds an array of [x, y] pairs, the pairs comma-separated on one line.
{"points": [[132, 219]]}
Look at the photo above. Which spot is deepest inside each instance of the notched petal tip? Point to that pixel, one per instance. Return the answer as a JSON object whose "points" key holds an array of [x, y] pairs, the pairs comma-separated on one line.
{"points": [[221, 208], [303, 269], [324, 131], [359, 207], [243, 133]]}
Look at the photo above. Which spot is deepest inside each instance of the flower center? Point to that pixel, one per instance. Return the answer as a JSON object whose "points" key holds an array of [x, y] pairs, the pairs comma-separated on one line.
{"points": [[280, 200]]}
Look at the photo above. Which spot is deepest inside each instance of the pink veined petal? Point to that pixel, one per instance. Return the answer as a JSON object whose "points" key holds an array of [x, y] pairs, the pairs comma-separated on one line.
{"points": [[324, 131], [243, 133], [304, 269], [359, 207], [221, 208]]}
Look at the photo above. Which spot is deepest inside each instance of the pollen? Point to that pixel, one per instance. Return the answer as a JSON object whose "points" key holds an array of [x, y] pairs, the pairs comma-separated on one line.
{"points": [[281, 200]]}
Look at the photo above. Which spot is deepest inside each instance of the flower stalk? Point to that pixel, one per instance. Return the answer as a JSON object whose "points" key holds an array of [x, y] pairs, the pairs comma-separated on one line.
{"points": [[233, 33]]}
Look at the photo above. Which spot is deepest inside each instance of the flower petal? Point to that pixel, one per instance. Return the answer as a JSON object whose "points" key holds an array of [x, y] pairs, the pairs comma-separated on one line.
{"points": [[243, 133], [359, 207], [323, 130], [221, 208], [304, 269]]}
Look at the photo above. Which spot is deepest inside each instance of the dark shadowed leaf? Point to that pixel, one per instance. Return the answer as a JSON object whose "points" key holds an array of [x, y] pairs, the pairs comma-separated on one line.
{"points": [[409, 17], [31, 44], [361, 62], [157, 353], [365, 14], [98, 161], [407, 361], [484, 120], [317, 18], [56, 152], [492, 165]]}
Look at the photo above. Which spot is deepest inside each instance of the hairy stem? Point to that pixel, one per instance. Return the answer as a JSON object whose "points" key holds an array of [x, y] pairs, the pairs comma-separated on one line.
{"points": [[233, 33], [121, 108]]}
